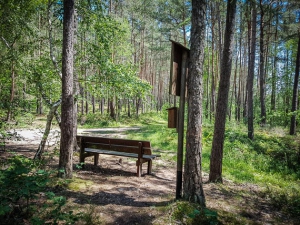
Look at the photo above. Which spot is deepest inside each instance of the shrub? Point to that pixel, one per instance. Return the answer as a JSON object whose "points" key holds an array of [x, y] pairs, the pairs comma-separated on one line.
{"points": [[20, 180], [23, 185], [285, 199], [192, 214]]}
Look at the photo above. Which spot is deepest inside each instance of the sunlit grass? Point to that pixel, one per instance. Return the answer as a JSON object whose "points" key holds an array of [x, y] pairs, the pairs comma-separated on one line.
{"points": [[271, 160]]}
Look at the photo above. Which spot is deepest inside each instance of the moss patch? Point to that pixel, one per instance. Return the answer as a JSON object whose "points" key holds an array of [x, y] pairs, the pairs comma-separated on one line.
{"points": [[79, 184]]}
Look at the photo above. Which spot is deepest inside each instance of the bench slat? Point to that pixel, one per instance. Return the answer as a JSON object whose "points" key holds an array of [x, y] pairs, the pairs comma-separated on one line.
{"points": [[94, 146], [109, 152]]}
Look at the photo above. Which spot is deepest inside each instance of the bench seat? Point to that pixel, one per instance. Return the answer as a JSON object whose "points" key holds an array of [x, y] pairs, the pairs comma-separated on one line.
{"points": [[125, 154], [94, 146]]}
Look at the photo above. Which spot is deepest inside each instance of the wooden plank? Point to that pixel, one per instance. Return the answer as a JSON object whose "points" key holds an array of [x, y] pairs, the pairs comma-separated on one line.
{"points": [[93, 146], [112, 140], [109, 152], [96, 145]]}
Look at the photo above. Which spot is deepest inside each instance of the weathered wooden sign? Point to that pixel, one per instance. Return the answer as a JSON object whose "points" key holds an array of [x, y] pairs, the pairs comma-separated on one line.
{"points": [[173, 117], [179, 72], [176, 67]]}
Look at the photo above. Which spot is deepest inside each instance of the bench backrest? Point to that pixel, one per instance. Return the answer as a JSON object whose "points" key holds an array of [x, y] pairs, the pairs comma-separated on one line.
{"points": [[114, 144]]}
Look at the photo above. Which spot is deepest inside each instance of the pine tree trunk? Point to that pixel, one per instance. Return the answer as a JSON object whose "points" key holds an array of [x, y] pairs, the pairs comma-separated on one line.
{"points": [[216, 157], [273, 91], [262, 82], [93, 104], [82, 101], [295, 92], [67, 119], [250, 78], [112, 109], [102, 106], [12, 92], [213, 79], [128, 109], [86, 102], [192, 185]]}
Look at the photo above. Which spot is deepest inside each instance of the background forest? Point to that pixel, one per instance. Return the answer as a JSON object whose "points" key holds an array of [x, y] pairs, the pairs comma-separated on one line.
{"points": [[127, 42], [122, 54]]}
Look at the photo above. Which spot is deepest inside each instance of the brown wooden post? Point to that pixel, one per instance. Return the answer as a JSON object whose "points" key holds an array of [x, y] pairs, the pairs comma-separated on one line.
{"points": [[81, 144], [149, 169], [179, 65], [96, 159], [139, 162], [181, 125]]}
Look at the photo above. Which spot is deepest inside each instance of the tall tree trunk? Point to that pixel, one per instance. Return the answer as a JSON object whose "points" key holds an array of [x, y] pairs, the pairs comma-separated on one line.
{"points": [[86, 102], [137, 106], [251, 73], [262, 82], [128, 109], [93, 104], [213, 76], [273, 91], [12, 92], [67, 118], [82, 100], [295, 92], [112, 108], [39, 105], [76, 88], [215, 174], [192, 185], [207, 113], [102, 105]]}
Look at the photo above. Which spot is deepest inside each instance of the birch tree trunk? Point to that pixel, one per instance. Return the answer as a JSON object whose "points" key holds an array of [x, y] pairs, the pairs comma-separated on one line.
{"points": [[51, 114]]}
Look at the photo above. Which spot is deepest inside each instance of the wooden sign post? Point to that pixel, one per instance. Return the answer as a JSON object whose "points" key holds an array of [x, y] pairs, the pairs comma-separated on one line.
{"points": [[179, 70]]}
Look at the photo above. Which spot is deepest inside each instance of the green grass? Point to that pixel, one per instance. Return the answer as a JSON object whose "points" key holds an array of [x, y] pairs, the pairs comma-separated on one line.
{"points": [[271, 160]]}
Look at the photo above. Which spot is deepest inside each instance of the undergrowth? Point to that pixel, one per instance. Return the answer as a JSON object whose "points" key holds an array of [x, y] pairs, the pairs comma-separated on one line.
{"points": [[26, 195], [271, 160], [183, 212]]}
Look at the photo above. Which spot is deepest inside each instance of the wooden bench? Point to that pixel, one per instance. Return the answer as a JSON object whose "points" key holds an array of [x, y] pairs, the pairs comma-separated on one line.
{"points": [[93, 146]]}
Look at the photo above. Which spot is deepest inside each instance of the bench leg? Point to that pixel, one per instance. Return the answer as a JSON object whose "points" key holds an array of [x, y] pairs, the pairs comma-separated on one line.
{"points": [[96, 159], [149, 169], [139, 169], [81, 160]]}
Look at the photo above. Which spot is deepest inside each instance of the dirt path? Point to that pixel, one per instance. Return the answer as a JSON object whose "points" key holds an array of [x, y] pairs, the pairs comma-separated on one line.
{"points": [[114, 195]]}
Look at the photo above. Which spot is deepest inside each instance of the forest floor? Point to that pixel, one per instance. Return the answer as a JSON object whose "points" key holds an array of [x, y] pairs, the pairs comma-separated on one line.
{"points": [[113, 194]]}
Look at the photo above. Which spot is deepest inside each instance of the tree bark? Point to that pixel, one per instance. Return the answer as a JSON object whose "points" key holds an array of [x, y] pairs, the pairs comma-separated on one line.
{"points": [[273, 91], [12, 92], [67, 119], [40, 150], [262, 82], [295, 92], [251, 73], [112, 111], [213, 77], [192, 185], [216, 158]]}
